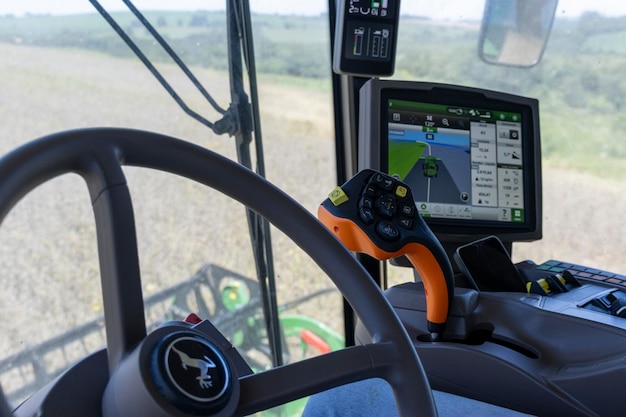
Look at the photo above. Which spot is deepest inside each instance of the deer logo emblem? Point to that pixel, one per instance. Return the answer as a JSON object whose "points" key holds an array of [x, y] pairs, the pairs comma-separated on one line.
{"points": [[204, 364]]}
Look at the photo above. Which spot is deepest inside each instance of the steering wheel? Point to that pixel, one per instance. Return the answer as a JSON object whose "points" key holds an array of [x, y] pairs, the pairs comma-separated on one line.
{"points": [[157, 374]]}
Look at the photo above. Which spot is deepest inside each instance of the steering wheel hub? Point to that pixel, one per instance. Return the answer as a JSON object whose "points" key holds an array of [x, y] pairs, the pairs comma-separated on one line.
{"points": [[190, 372], [176, 370]]}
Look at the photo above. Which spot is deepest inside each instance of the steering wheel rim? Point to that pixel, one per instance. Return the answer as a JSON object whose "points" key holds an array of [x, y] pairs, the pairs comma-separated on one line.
{"points": [[98, 156]]}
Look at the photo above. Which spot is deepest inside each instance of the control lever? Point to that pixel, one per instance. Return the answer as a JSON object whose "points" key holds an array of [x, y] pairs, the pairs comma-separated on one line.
{"points": [[610, 304], [375, 214]]}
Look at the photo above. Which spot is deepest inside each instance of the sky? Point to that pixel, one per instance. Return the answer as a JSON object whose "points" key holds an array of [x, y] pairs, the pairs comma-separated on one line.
{"points": [[450, 9]]}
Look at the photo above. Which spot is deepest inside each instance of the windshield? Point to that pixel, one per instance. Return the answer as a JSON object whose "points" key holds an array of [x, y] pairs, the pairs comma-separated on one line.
{"points": [[64, 67]]}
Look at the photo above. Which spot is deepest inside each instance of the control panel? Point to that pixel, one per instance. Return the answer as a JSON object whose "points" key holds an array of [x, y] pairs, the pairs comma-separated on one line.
{"points": [[587, 291], [365, 37], [487, 267]]}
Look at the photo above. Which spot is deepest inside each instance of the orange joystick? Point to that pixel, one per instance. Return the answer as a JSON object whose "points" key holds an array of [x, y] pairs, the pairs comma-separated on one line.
{"points": [[375, 214]]}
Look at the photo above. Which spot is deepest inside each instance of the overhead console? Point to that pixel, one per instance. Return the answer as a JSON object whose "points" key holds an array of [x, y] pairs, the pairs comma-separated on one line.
{"points": [[472, 157]]}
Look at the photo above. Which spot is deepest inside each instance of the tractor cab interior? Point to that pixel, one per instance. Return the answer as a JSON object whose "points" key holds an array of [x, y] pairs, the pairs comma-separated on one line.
{"points": [[378, 263]]}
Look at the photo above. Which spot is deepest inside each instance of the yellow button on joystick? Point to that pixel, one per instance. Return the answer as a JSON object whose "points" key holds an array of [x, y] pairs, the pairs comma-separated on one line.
{"points": [[401, 191], [338, 196]]}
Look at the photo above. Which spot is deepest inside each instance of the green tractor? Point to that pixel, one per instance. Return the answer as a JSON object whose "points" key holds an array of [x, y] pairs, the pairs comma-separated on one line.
{"points": [[430, 166]]}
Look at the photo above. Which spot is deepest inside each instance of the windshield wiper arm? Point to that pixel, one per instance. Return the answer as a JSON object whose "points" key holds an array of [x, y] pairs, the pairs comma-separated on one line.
{"points": [[225, 125]]}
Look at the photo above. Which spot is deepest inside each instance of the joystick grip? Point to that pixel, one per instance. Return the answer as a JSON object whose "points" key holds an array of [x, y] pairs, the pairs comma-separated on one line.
{"points": [[375, 214]]}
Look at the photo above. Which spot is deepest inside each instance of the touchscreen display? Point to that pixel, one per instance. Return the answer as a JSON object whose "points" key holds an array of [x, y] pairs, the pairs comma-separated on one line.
{"points": [[461, 162], [472, 157]]}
